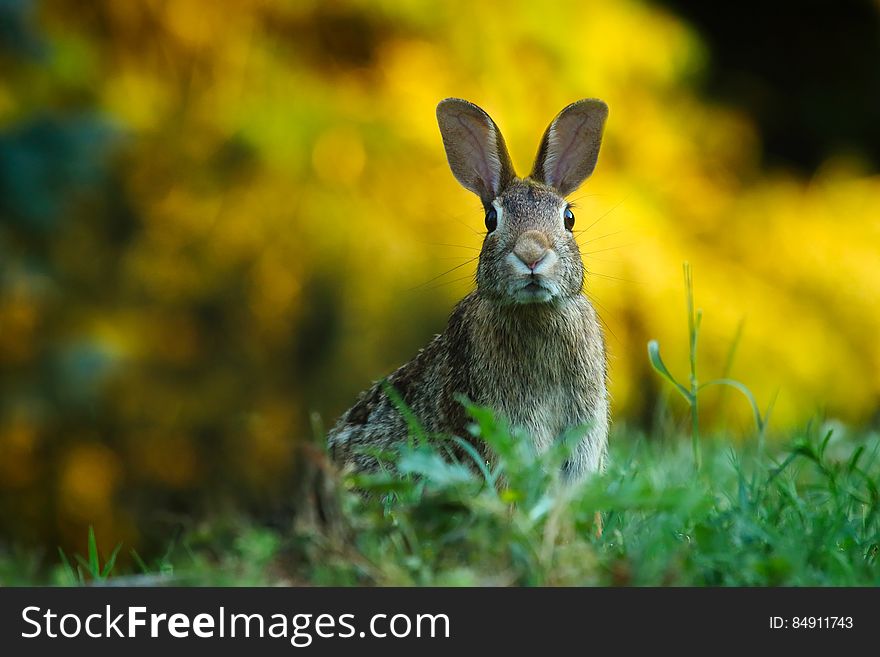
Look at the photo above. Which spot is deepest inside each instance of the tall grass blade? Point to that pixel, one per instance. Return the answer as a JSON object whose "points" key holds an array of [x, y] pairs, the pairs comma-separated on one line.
{"points": [[68, 569], [111, 562], [93, 564], [660, 367], [733, 383]]}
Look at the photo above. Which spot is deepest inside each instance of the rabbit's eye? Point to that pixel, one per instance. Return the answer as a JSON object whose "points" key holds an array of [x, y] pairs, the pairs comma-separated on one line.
{"points": [[568, 217], [491, 220]]}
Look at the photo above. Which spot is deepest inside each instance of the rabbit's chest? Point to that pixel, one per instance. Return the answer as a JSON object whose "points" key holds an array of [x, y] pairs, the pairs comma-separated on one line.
{"points": [[542, 368], [543, 398], [544, 417]]}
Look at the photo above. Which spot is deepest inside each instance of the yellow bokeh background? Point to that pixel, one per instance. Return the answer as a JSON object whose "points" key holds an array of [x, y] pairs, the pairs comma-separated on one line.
{"points": [[294, 218]]}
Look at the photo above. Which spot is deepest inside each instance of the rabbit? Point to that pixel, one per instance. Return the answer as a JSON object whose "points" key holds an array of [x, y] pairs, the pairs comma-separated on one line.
{"points": [[527, 342]]}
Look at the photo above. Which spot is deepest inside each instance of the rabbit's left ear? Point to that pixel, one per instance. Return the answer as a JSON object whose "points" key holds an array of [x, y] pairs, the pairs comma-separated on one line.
{"points": [[475, 148], [570, 147]]}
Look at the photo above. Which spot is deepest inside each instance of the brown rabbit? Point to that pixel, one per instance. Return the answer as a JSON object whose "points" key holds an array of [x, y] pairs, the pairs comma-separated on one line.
{"points": [[527, 342]]}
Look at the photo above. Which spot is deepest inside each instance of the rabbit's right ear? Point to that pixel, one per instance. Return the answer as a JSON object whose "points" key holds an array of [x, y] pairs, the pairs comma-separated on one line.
{"points": [[570, 147], [475, 148]]}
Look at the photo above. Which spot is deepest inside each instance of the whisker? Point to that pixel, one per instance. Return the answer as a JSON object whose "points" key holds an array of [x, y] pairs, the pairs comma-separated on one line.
{"points": [[606, 213], [445, 283], [456, 246], [448, 271], [619, 263], [577, 199], [610, 248], [602, 320], [469, 226], [612, 278], [602, 237]]}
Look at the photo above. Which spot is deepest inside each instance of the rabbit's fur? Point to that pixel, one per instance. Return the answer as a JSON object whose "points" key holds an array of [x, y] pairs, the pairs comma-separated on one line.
{"points": [[527, 342]]}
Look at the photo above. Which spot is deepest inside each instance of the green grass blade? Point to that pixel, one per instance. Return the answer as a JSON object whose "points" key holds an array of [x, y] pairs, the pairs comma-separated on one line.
{"points": [[110, 562], [693, 320], [416, 430], [94, 564], [734, 347], [68, 569], [475, 456], [660, 367], [139, 561], [85, 564], [824, 444], [733, 383]]}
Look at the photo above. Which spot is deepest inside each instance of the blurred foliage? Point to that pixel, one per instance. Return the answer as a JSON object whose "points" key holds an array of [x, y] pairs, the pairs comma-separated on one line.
{"points": [[216, 219]]}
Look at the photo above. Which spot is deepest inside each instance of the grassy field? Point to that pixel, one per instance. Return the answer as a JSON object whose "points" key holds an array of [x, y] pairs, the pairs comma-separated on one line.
{"points": [[675, 509], [803, 514]]}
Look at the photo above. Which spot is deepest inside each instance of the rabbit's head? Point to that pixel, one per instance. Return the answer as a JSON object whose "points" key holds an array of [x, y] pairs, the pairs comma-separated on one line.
{"points": [[529, 254]]}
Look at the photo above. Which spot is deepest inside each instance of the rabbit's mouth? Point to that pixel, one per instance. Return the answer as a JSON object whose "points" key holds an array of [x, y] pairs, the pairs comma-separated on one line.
{"points": [[532, 291]]}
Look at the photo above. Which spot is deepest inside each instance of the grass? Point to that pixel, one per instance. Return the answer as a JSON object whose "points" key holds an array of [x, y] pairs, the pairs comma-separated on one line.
{"points": [[92, 564], [691, 393], [723, 513], [807, 514]]}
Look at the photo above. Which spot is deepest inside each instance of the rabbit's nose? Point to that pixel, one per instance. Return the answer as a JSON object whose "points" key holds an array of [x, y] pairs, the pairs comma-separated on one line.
{"points": [[531, 247]]}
